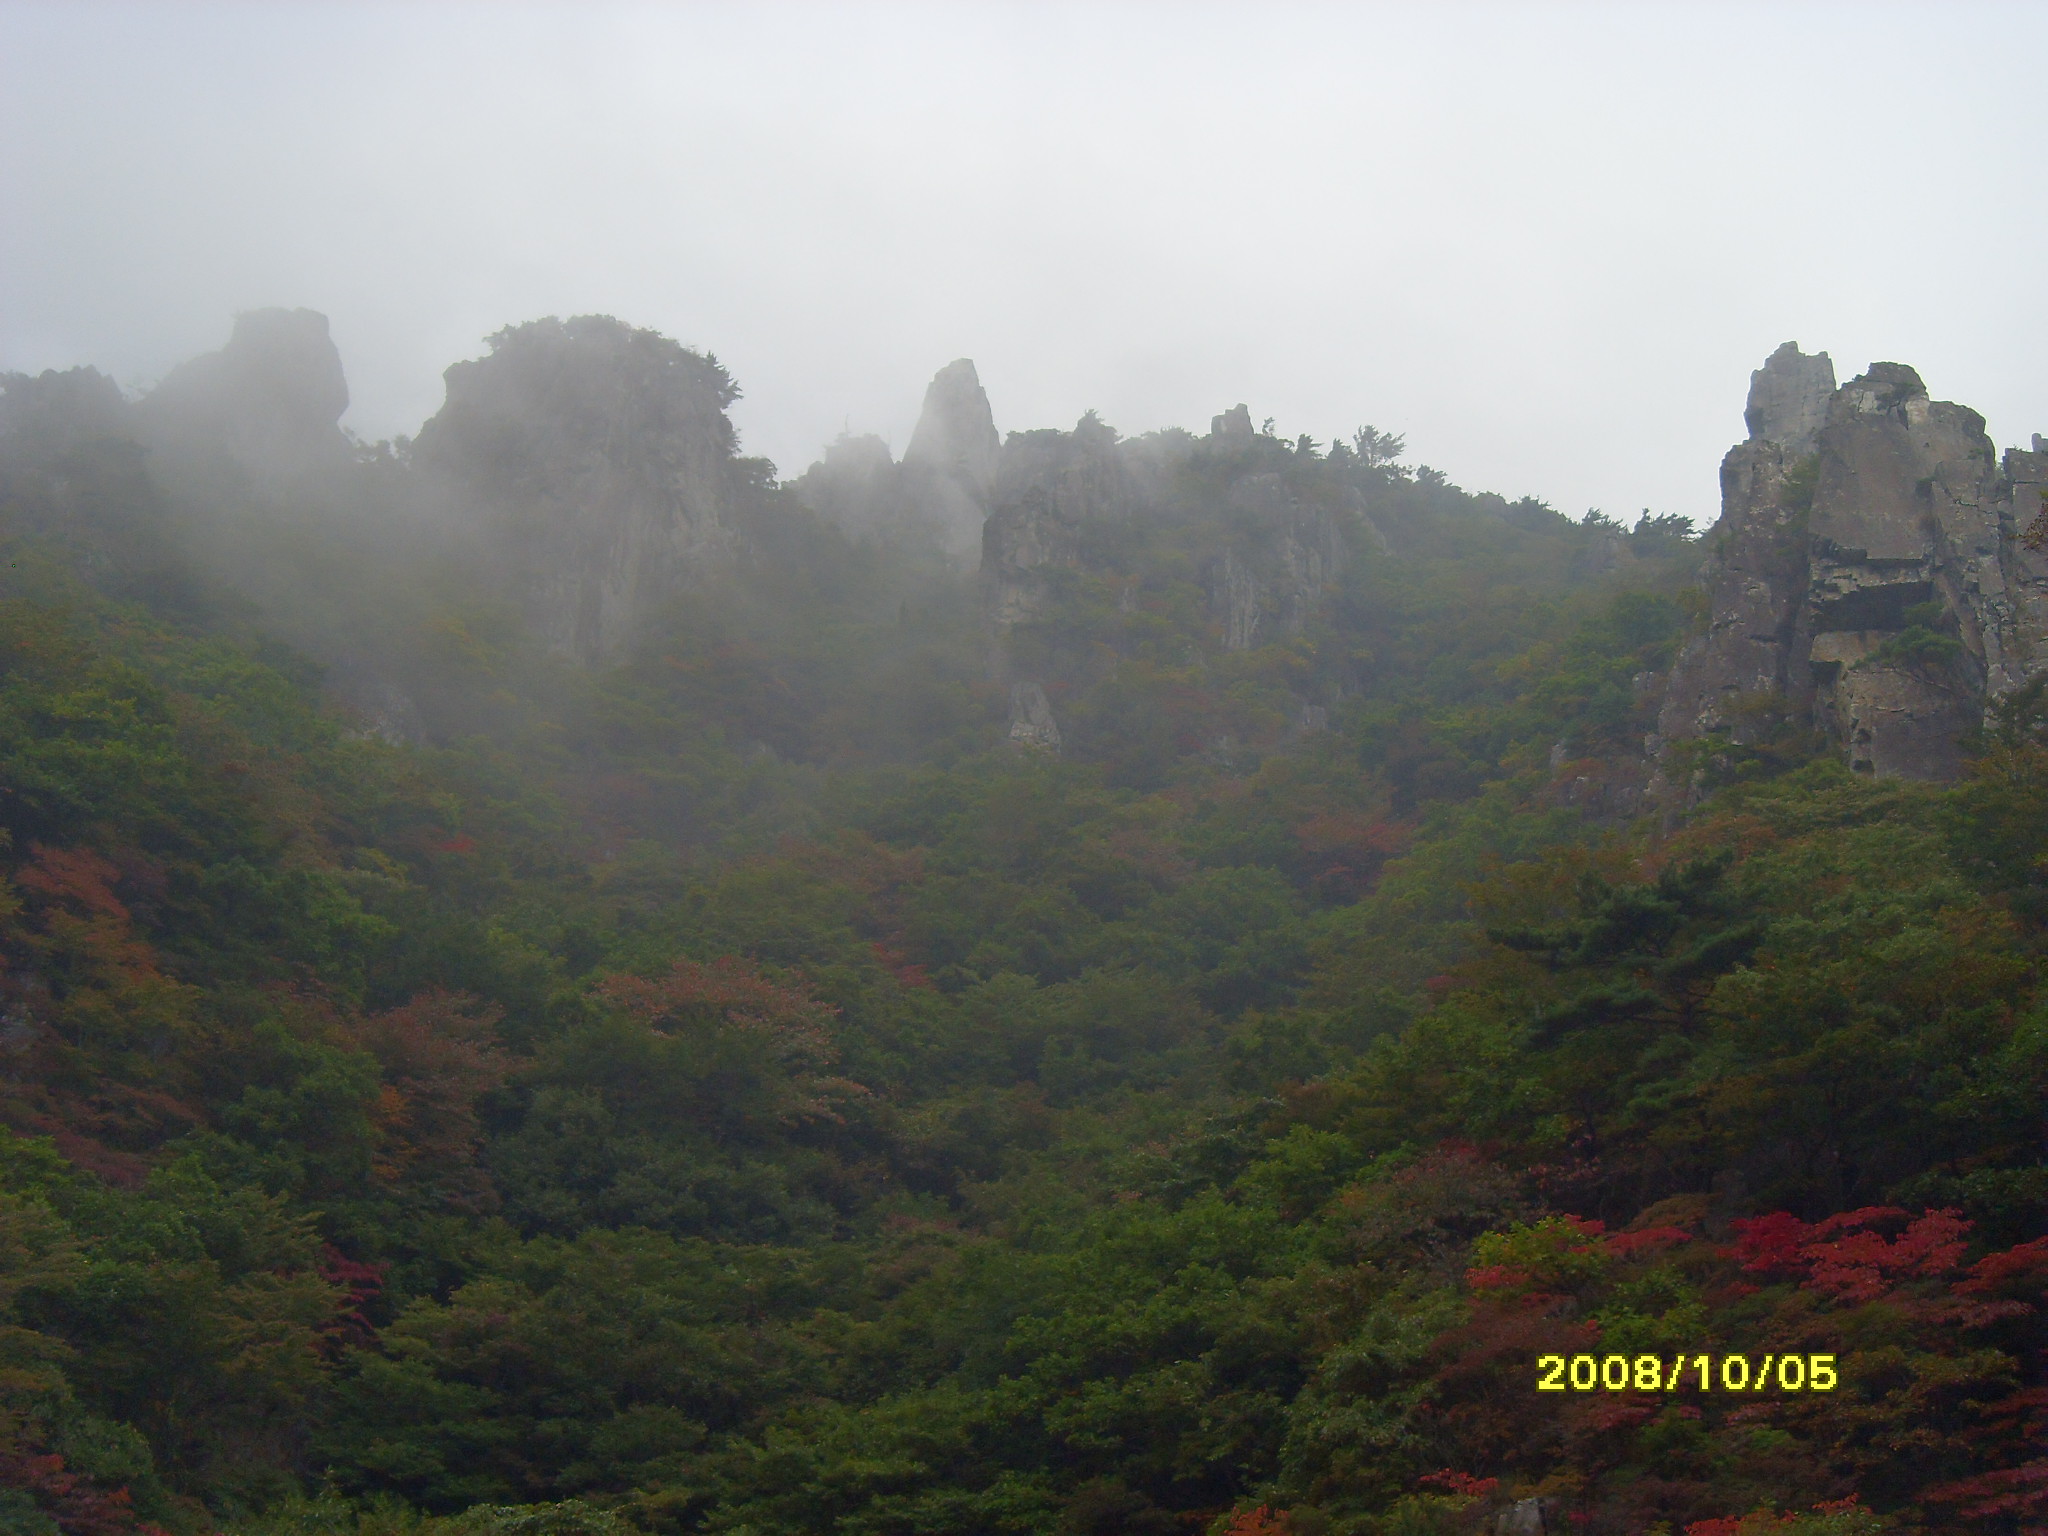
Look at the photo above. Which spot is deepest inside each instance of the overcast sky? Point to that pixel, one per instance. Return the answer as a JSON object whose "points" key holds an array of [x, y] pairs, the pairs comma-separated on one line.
{"points": [[1547, 242]]}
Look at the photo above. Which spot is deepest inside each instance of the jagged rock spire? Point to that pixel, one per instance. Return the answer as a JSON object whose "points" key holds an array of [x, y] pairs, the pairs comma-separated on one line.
{"points": [[1867, 580], [950, 465], [956, 432], [1788, 399]]}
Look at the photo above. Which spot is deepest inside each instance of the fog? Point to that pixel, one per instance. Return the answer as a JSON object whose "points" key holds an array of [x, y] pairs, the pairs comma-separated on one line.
{"points": [[1546, 242]]}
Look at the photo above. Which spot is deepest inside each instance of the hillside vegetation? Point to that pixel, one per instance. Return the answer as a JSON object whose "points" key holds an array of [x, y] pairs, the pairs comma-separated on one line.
{"points": [[728, 1087]]}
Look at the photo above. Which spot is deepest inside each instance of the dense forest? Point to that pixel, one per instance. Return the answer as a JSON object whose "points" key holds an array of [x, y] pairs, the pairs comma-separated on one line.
{"points": [[739, 1079]]}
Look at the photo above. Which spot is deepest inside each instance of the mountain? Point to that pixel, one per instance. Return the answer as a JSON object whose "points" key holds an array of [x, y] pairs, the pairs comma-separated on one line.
{"points": [[555, 983], [1875, 576]]}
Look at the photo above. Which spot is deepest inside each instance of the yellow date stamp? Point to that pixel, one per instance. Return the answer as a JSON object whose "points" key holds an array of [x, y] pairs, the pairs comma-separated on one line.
{"points": [[1699, 1373]]}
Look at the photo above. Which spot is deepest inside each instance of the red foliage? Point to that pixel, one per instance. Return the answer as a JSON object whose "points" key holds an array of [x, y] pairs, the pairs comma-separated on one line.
{"points": [[1762, 1520], [1262, 1521], [2012, 1492], [360, 1284], [2026, 1265], [437, 1055], [1766, 1243], [1462, 1483], [733, 992], [79, 1506], [906, 971], [2020, 1491], [1495, 1277], [1626, 1245], [72, 891], [1843, 1257]]}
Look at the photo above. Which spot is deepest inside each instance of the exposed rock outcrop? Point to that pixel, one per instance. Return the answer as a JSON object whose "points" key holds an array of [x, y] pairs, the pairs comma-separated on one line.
{"points": [[942, 491], [597, 463], [1282, 554], [1788, 399], [949, 469], [73, 472], [856, 485], [267, 406], [1031, 721], [1869, 574], [1233, 428]]}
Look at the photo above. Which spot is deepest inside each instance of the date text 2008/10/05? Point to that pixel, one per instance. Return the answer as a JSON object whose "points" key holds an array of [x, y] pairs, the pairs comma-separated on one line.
{"points": [[1703, 1373]]}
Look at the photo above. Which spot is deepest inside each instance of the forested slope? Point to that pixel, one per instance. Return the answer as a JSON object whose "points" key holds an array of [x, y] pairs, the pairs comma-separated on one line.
{"points": [[729, 1087]]}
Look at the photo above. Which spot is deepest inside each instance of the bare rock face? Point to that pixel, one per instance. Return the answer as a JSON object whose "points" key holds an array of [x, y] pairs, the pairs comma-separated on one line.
{"points": [[1869, 575], [1023, 543], [1233, 428], [50, 414], [1788, 399], [941, 492], [1049, 485], [950, 465], [1061, 494], [1270, 578], [1031, 721], [1732, 679], [72, 472], [854, 485], [268, 404], [596, 461]]}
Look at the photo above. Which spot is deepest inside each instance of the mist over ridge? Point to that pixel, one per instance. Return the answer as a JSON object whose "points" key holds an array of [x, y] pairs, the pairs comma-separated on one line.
{"points": [[1076, 768], [1511, 232]]}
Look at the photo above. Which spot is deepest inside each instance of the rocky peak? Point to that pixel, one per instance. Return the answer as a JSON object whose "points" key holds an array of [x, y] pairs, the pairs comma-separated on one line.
{"points": [[950, 466], [596, 461], [44, 416], [1883, 387], [1873, 586], [956, 431], [853, 485], [270, 401], [1232, 429], [1788, 399]]}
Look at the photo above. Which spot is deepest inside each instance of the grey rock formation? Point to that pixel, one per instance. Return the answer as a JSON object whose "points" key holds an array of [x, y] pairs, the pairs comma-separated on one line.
{"points": [[1049, 485], [1025, 541], [1270, 579], [1031, 720], [268, 405], [1868, 576], [1732, 680], [596, 463], [1233, 428], [1060, 494], [950, 465], [1788, 399], [48, 415], [73, 473], [856, 485]]}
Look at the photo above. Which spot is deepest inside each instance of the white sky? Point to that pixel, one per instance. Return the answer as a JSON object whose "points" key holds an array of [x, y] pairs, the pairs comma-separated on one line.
{"points": [[1546, 241]]}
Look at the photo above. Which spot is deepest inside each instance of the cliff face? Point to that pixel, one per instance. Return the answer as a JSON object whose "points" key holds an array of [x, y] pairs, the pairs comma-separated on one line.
{"points": [[949, 469], [596, 462], [941, 492], [1280, 556], [1869, 576], [266, 408], [1149, 518]]}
